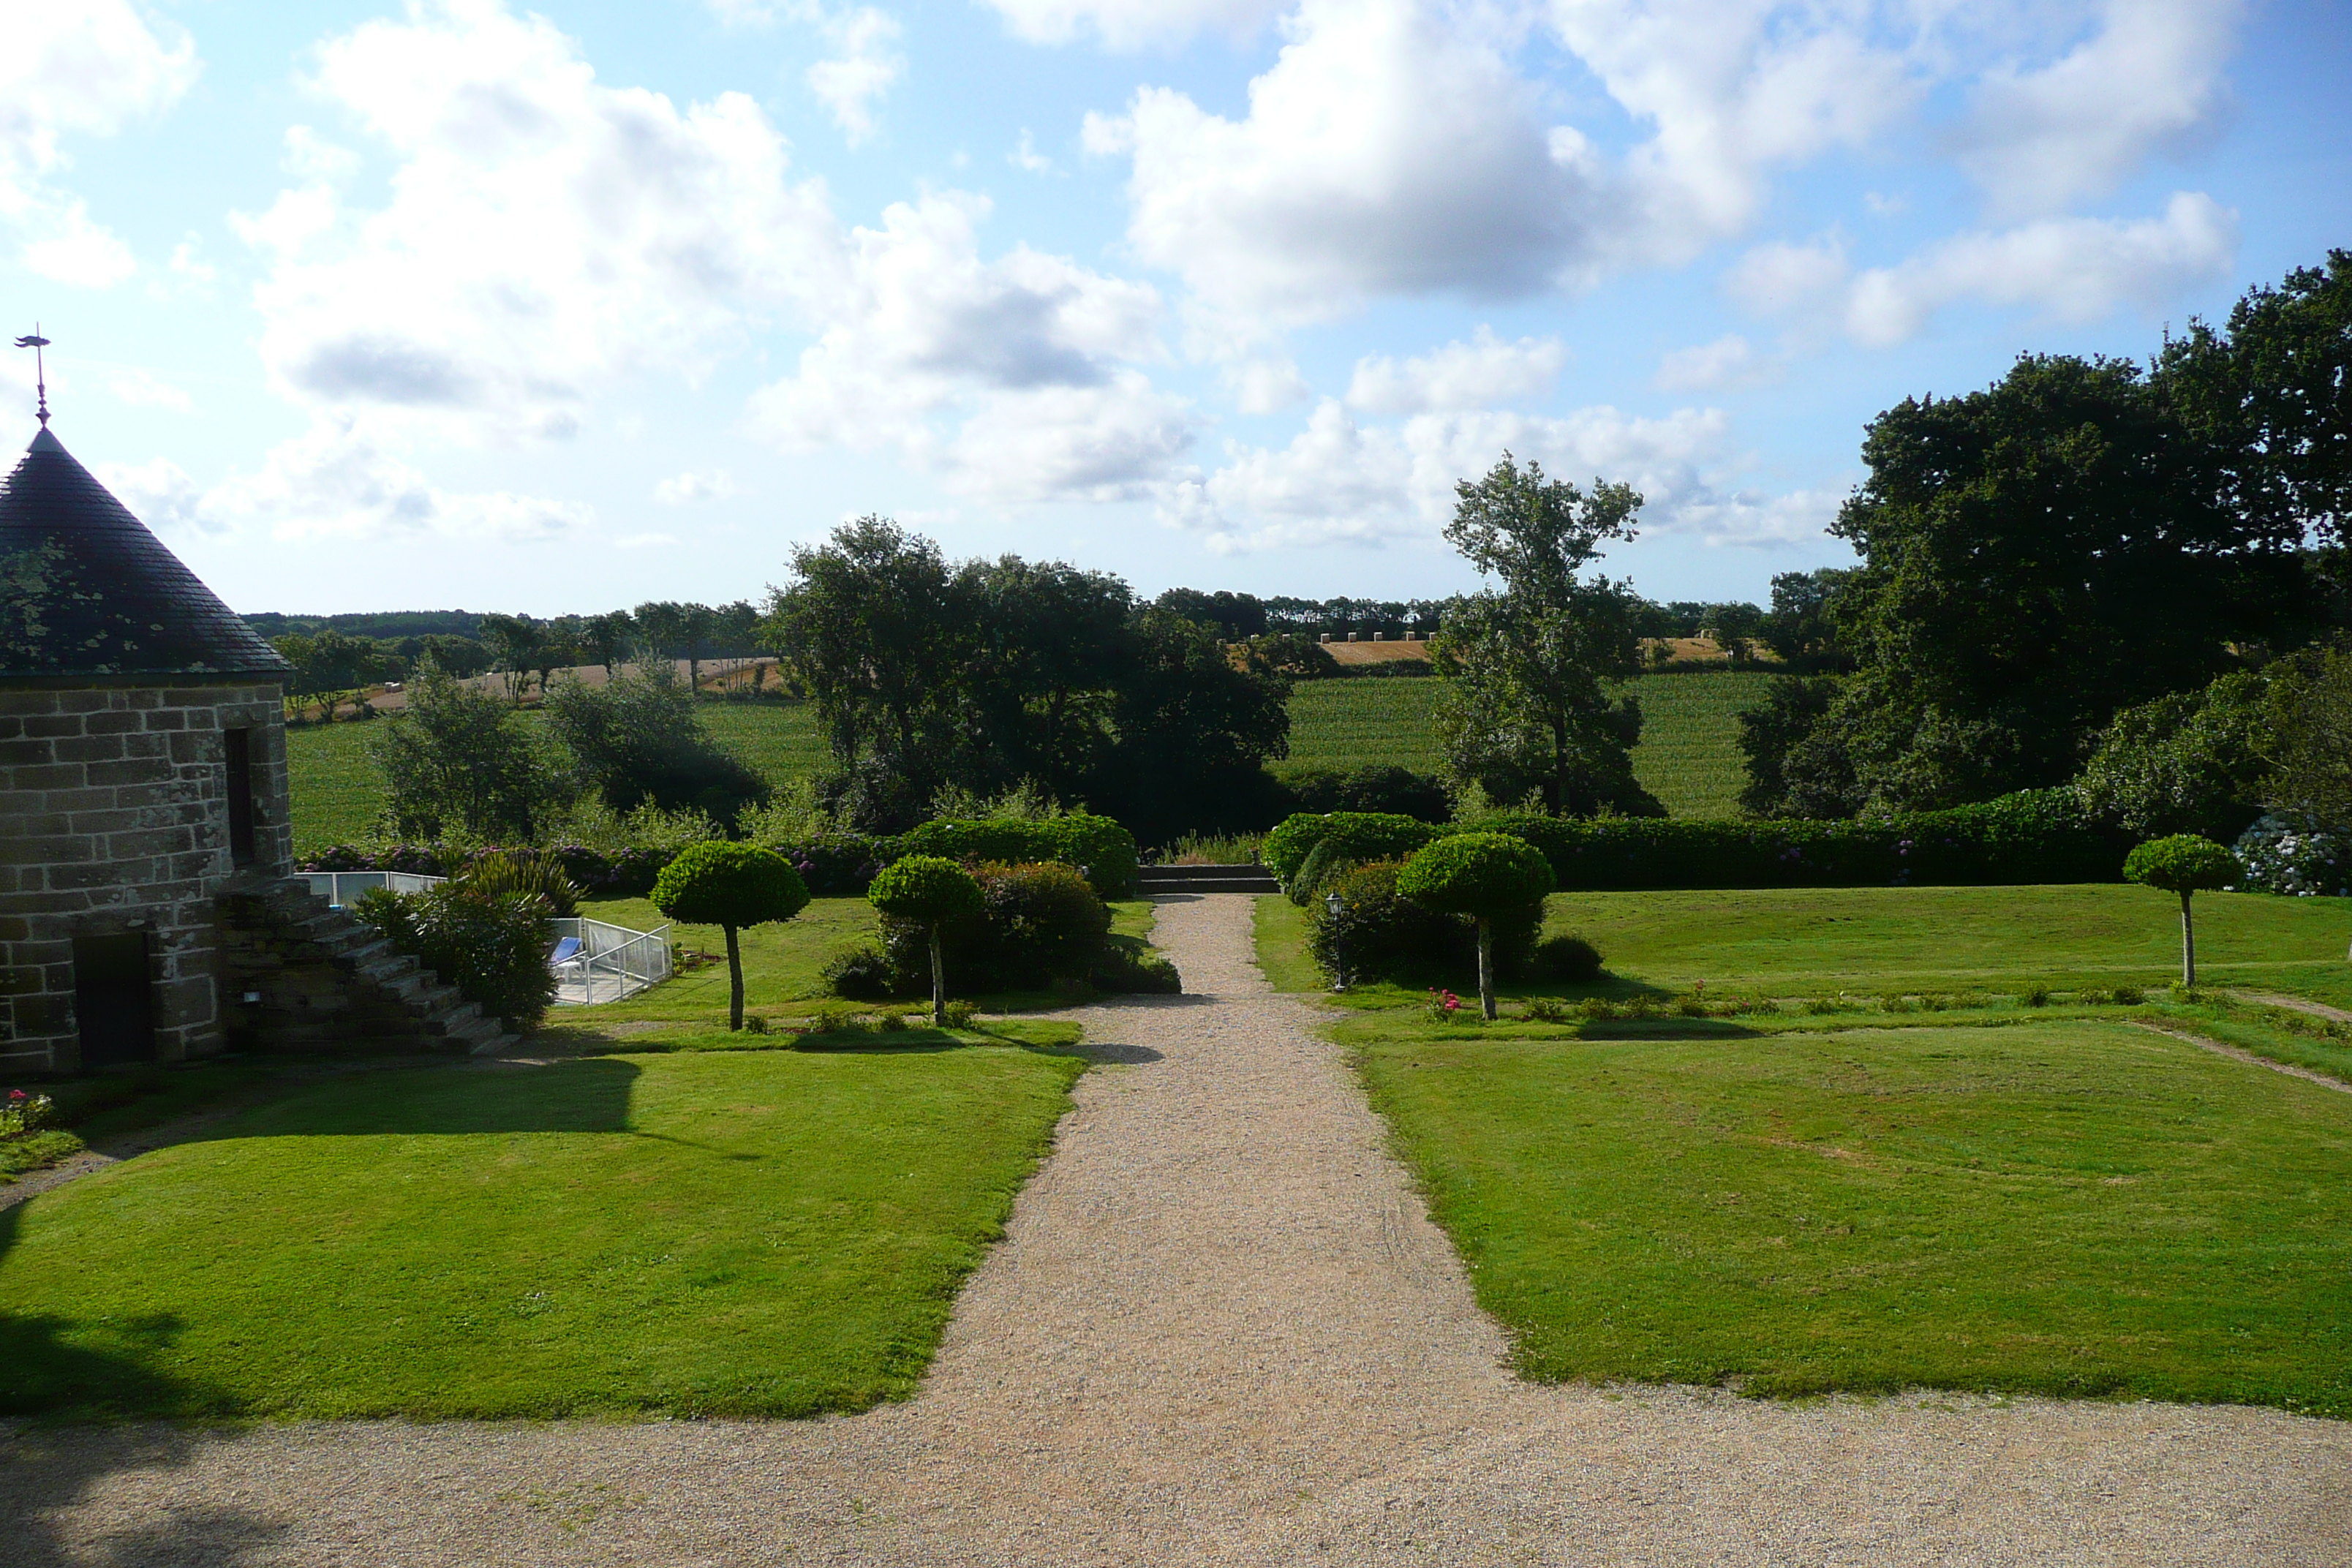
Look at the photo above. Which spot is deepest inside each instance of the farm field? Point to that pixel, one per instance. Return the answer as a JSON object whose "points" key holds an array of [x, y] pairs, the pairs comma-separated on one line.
{"points": [[1987, 1196], [1687, 756], [769, 1233], [338, 792]]}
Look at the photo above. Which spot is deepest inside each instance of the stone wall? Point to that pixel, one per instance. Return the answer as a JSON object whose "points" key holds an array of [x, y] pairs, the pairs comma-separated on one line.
{"points": [[114, 819]]}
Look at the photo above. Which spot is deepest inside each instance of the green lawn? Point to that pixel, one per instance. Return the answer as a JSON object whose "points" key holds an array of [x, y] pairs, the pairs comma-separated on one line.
{"points": [[1687, 756], [1983, 1194], [746, 1232], [2069, 1207], [1809, 941], [780, 962]]}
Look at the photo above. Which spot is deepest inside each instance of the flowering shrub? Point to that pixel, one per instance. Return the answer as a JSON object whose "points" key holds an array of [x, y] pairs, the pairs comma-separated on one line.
{"points": [[1446, 1008], [2283, 854], [22, 1113], [492, 946]]}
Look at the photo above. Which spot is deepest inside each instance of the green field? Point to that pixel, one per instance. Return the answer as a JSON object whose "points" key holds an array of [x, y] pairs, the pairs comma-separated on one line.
{"points": [[768, 1233], [1686, 757], [338, 792], [1929, 1182]]}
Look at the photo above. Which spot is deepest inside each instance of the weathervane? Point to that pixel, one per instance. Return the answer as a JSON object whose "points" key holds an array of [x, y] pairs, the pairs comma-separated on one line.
{"points": [[40, 370]]}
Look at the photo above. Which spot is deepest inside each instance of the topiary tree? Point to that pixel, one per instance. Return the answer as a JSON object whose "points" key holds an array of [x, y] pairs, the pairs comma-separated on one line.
{"points": [[931, 890], [1482, 875], [729, 886], [2184, 864]]}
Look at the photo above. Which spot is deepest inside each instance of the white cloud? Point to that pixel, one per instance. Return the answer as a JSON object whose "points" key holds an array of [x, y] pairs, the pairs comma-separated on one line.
{"points": [[1730, 364], [83, 69], [144, 389], [544, 233], [312, 158], [1389, 150], [1266, 385], [683, 489], [643, 540], [340, 479], [2069, 269], [1134, 23], [1026, 158], [1474, 375], [2147, 80], [866, 66], [158, 493], [1036, 351], [1342, 481]]}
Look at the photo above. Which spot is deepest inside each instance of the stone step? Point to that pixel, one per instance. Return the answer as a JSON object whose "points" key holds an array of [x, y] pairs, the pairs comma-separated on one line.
{"points": [[1150, 879]]}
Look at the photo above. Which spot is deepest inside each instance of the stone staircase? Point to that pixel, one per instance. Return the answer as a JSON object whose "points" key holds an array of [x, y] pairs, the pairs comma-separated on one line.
{"points": [[300, 975], [1159, 880]]}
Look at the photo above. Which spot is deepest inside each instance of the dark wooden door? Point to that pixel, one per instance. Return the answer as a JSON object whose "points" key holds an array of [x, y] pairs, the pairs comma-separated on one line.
{"points": [[114, 999]]}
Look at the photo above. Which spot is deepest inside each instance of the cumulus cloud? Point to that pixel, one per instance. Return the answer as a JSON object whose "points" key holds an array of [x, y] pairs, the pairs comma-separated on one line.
{"points": [[684, 490], [338, 479], [84, 70], [1484, 371], [542, 234], [1391, 149], [2149, 78], [1134, 23], [865, 67], [1730, 364], [1409, 147], [1034, 351], [1343, 481], [158, 493], [2069, 269]]}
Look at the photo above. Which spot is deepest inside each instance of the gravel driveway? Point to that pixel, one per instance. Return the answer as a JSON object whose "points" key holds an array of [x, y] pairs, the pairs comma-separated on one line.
{"points": [[1222, 1331]]}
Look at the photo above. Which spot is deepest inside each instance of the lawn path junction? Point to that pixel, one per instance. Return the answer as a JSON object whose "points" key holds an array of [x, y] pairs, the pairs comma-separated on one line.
{"points": [[1222, 1329]]}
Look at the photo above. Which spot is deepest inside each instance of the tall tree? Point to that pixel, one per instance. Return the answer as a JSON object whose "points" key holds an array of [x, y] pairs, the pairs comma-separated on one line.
{"points": [[513, 644], [1526, 705], [607, 639], [870, 625], [2036, 556]]}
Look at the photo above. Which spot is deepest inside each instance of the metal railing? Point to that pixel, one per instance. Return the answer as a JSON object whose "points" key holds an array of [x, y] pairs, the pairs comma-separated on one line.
{"points": [[340, 888], [613, 961]]}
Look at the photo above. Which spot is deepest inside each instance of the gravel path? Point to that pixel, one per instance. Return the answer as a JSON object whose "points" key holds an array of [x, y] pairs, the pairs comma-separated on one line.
{"points": [[1222, 1331]]}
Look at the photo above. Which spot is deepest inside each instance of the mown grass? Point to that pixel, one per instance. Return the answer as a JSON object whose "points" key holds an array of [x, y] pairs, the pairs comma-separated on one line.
{"points": [[1815, 941], [1942, 1179], [2063, 1207], [1805, 943], [769, 1233], [782, 963], [1687, 756]]}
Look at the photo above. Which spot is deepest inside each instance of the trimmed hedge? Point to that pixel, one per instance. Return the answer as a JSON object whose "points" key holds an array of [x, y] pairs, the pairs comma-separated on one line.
{"points": [[1387, 936], [1098, 845], [1356, 837], [2034, 836]]}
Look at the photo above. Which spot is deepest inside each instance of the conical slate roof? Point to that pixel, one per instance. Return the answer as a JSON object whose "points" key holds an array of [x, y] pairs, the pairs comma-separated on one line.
{"points": [[85, 590]]}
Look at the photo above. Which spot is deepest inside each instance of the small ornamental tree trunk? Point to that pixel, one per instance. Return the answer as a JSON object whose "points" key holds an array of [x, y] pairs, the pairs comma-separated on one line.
{"points": [[734, 981], [2187, 946], [1486, 968], [939, 982]]}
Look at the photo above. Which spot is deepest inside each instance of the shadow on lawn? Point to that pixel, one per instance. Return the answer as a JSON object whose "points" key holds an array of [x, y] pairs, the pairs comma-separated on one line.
{"points": [[46, 1469], [587, 1094]]}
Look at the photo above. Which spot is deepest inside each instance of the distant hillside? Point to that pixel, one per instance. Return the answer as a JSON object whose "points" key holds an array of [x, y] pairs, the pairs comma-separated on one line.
{"points": [[382, 624]]}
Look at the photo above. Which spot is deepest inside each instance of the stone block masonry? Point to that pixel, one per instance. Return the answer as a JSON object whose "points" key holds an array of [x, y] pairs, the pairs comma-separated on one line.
{"points": [[115, 819]]}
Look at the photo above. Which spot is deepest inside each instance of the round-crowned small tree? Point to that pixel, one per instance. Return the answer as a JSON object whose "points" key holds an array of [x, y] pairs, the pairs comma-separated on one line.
{"points": [[932, 892], [1479, 875], [2185, 863], [729, 886]]}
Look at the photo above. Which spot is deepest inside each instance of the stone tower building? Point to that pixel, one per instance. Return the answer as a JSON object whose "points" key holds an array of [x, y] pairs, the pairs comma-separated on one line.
{"points": [[142, 780]]}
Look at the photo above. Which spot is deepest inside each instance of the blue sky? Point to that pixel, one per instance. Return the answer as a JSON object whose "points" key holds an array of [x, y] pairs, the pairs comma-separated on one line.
{"points": [[365, 307]]}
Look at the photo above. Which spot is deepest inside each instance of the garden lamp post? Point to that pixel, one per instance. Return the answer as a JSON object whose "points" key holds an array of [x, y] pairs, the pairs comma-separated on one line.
{"points": [[1334, 904]]}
